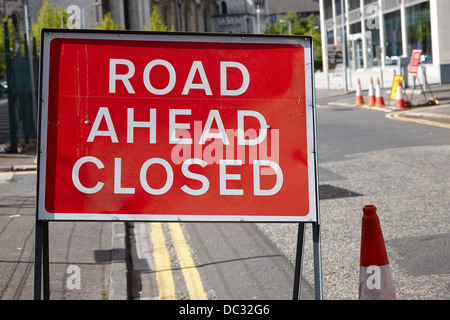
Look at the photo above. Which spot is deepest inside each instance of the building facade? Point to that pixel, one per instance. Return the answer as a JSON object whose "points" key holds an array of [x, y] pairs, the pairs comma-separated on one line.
{"points": [[229, 16], [178, 15], [240, 16], [377, 33], [302, 7], [186, 15]]}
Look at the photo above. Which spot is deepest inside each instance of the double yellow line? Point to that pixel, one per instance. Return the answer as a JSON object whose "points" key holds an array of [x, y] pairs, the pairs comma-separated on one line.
{"points": [[162, 263], [18, 172], [397, 115]]}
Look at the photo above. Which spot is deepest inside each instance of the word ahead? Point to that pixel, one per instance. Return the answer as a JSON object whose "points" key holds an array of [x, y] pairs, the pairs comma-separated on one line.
{"points": [[190, 128]]}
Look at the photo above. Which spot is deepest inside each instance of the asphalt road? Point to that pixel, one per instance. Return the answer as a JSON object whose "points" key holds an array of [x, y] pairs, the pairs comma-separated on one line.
{"points": [[83, 245], [401, 168], [364, 158]]}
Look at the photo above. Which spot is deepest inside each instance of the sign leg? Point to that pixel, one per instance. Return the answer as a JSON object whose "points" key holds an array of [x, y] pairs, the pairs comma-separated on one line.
{"points": [[298, 262], [46, 262], [38, 260], [317, 261], [41, 261]]}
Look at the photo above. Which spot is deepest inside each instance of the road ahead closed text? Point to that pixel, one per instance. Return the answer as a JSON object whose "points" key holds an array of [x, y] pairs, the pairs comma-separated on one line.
{"points": [[153, 129]]}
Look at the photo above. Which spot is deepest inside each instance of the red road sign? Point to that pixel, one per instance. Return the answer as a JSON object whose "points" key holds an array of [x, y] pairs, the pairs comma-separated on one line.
{"points": [[415, 61], [160, 126]]}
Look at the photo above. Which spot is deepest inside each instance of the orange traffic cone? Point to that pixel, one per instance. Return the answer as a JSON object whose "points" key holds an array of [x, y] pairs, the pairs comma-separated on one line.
{"points": [[371, 101], [359, 97], [375, 282], [400, 104], [379, 100]]}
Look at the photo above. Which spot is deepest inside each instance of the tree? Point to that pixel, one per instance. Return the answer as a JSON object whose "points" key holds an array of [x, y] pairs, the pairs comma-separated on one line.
{"points": [[300, 26], [108, 23], [49, 16], [2, 40], [156, 23]]}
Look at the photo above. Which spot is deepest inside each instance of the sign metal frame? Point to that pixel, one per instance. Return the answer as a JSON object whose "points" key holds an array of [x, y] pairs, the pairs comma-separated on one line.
{"points": [[306, 42], [43, 217]]}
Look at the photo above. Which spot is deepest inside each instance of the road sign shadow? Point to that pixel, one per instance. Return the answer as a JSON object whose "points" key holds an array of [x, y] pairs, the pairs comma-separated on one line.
{"points": [[327, 191]]}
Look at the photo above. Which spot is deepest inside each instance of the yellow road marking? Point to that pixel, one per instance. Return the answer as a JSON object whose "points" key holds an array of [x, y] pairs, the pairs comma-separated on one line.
{"points": [[397, 116], [18, 172], [25, 172], [191, 276], [161, 259]]}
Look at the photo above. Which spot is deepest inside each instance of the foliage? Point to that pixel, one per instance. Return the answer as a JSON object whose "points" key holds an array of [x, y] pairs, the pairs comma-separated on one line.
{"points": [[108, 23], [2, 40], [156, 23], [300, 26], [49, 16]]}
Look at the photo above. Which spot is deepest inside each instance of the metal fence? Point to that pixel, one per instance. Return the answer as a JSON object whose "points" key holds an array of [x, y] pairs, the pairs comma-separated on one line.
{"points": [[18, 90]]}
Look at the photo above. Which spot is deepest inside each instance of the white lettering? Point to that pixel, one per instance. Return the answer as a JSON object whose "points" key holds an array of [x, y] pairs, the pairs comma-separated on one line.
{"points": [[113, 77], [172, 77], [197, 65], [262, 133], [256, 178], [76, 172], [173, 126], [214, 115], [224, 177], [194, 176], [224, 91], [118, 189], [131, 124], [103, 113], [143, 176]]}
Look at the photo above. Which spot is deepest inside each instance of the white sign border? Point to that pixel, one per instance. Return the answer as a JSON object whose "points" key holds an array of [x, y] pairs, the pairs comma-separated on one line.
{"points": [[47, 35]]}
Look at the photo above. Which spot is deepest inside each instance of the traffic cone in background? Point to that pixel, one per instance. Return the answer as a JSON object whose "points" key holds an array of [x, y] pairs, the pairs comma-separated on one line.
{"points": [[371, 101], [400, 104], [375, 282], [359, 97], [379, 100]]}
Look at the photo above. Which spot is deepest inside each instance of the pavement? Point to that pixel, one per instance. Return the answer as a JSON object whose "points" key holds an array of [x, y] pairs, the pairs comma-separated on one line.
{"points": [[88, 260]]}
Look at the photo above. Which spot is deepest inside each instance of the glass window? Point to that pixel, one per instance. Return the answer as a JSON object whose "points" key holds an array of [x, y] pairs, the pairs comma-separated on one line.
{"points": [[337, 4], [330, 37], [328, 7], [419, 30], [353, 4], [224, 7], [186, 24], [393, 37], [355, 28], [373, 46], [205, 21], [359, 54], [369, 1]]}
